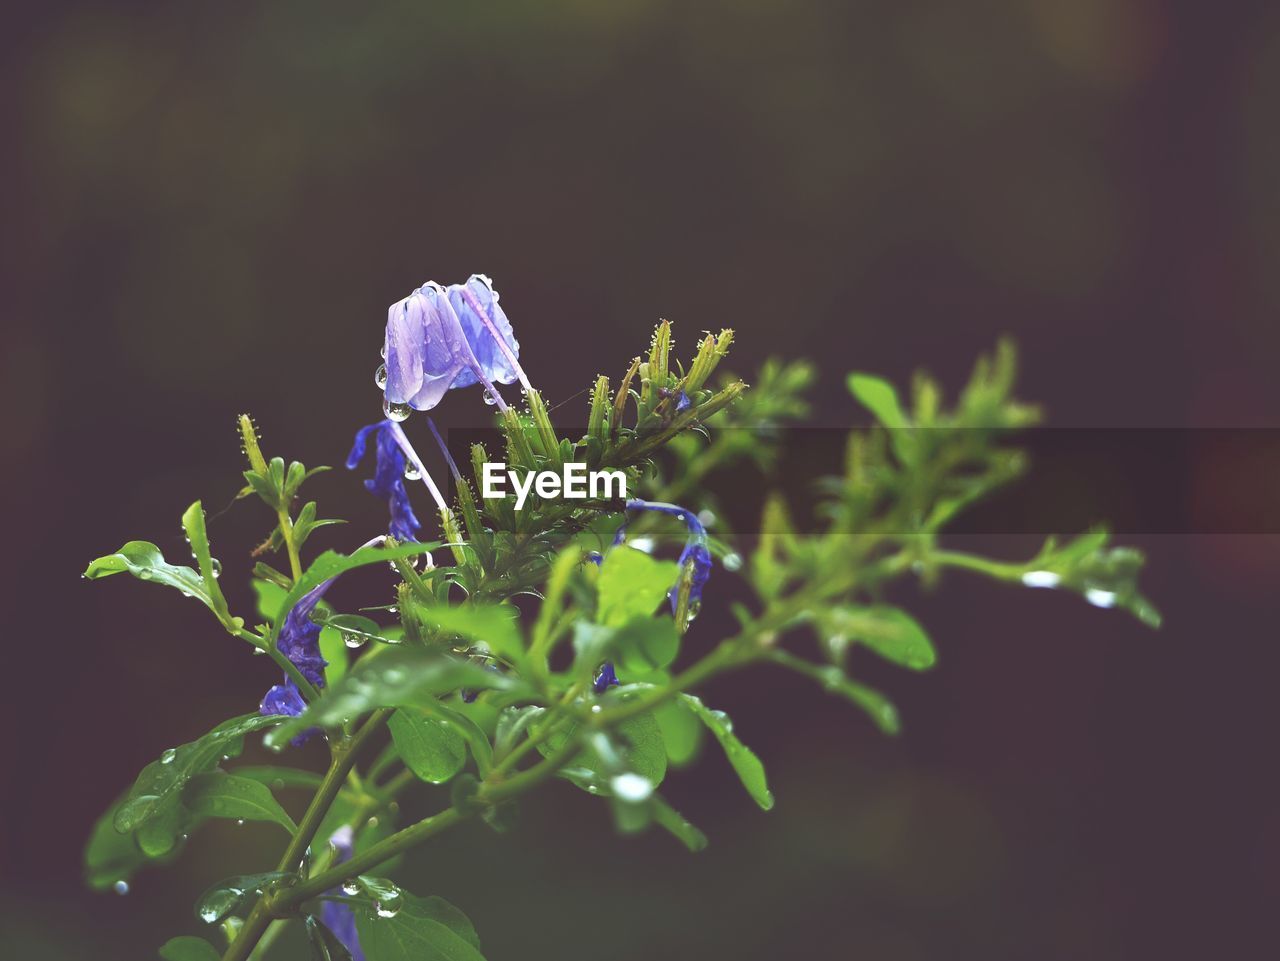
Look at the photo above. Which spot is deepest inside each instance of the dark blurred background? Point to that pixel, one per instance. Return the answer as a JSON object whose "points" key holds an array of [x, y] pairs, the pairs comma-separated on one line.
{"points": [[209, 207]]}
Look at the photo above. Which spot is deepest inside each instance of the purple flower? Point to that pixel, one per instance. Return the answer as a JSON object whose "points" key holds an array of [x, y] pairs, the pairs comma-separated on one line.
{"points": [[683, 403], [299, 641], [488, 332], [438, 339], [388, 477], [605, 678], [695, 553], [425, 349], [338, 917]]}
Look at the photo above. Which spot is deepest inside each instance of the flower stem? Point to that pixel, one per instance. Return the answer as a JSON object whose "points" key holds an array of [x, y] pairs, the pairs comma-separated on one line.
{"points": [[344, 758]]}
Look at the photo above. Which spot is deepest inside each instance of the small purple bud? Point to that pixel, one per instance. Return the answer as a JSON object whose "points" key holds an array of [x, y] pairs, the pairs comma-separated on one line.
{"points": [[605, 679]]}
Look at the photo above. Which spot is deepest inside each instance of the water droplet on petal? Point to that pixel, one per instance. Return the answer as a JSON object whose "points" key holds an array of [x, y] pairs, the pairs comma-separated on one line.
{"points": [[396, 412], [380, 377], [411, 471]]}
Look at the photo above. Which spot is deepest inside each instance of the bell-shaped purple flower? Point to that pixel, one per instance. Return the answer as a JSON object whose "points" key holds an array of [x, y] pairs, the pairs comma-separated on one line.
{"points": [[488, 333], [388, 477], [425, 349], [337, 916]]}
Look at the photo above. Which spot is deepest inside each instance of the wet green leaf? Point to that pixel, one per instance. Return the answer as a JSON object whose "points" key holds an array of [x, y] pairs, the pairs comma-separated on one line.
{"points": [[674, 822], [156, 794], [218, 795], [423, 929], [890, 632], [430, 748], [395, 677], [632, 584], [745, 763]]}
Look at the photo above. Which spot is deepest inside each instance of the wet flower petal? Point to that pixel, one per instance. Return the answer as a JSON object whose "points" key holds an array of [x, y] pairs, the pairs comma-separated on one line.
{"points": [[338, 917], [488, 331], [388, 477]]}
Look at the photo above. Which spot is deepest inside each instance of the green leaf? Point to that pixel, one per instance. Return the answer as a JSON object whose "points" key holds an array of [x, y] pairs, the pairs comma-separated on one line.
{"points": [[193, 524], [109, 856], [156, 794], [390, 678], [879, 707], [278, 778], [682, 732], [424, 929], [218, 795], [645, 645], [325, 945], [745, 763], [430, 748], [144, 561], [636, 749], [632, 584], [880, 397], [671, 819], [497, 625], [890, 632], [187, 948]]}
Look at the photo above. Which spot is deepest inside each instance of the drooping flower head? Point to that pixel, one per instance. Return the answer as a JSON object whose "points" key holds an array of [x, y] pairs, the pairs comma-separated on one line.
{"points": [[337, 916], [438, 339], [695, 554], [488, 332], [425, 349], [393, 451], [299, 641]]}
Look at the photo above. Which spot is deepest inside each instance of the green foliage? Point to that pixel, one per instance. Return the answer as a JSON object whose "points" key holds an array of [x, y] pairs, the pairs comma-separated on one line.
{"points": [[493, 696], [421, 929], [189, 949]]}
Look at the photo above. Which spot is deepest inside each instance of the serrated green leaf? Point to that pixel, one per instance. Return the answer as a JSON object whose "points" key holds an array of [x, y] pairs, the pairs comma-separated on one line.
{"points": [[429, 748], [424, 929], [394, 678], [632, 584], [187, 948], [748, 767], [218, 795]]}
